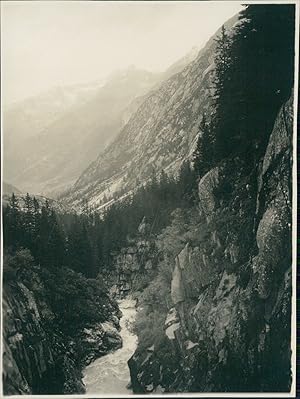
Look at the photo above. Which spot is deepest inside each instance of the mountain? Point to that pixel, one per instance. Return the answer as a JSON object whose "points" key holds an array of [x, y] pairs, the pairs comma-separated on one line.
{"points": [[26, 119], [8, 189], [179, 65], [207, 257], [78, 122], [159, 136], [217, 315], [223, 311], [42, 134]]}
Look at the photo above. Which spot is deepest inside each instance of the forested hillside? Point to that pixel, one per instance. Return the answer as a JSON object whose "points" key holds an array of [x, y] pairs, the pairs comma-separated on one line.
{"points": [[160, 135], [216, 315], [54, 305]]}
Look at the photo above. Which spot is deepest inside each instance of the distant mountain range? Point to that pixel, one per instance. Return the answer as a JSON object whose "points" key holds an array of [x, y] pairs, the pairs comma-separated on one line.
{"points": [[42, 134], [51, 138]]}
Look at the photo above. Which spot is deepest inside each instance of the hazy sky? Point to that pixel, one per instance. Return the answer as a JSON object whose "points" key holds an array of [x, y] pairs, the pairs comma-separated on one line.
{"points": [[47, 43]]}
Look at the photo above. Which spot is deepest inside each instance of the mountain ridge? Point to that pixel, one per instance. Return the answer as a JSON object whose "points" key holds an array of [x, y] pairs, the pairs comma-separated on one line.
{"points": [[80, 120], [160, 135], [84, 127]]}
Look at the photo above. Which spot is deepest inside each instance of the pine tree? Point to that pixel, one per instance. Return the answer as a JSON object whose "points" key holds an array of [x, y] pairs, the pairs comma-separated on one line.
{"points": [[223, 96], [12, 233], [80, 257], [40, 248], [49, 244], [222, 61], [28, 221], [264, 41], [204, 154], [255, 80], [36, 217], [186, 185], [56, 242]]}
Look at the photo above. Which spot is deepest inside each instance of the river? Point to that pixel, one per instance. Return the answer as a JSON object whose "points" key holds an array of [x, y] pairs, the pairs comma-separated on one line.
{"points": [[110, 374]]}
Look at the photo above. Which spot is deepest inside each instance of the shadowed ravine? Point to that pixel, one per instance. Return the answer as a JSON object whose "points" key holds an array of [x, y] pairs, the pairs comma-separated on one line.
{"points": [[110, 374], [186, 206]]}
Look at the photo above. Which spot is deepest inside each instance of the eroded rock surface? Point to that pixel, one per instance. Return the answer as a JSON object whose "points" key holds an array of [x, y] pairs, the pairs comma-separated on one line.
{"points": [[38, 357], [229, 325]]}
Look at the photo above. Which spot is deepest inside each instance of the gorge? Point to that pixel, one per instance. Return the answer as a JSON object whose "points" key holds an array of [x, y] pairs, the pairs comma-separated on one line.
{"points": [[169, 267], [110, 374]]}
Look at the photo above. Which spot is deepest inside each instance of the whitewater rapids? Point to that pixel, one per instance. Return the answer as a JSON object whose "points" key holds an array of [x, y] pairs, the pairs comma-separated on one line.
{"points": [[110, 374]]}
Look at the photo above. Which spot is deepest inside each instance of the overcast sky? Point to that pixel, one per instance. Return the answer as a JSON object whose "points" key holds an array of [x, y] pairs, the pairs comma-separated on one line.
{"points": [[46, 44]]}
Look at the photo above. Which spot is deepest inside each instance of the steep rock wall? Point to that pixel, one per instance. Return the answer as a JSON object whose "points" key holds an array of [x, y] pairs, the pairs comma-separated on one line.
{"points": [[135, 263], [38, 358], [160, 135], [229, 328]]}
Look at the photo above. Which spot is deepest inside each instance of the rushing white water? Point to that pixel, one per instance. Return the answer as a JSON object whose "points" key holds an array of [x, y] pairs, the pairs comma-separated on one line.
{"points": [[110, 374]]}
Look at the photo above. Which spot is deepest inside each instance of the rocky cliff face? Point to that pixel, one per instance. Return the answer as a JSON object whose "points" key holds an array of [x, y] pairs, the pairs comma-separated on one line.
{"points": [[160, 135], [135, 263], [229, 327], [38, 357]]}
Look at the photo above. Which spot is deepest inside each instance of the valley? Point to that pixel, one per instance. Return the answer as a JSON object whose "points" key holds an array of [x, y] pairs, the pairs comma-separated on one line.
{"points": [[42, 134], [165, 263]]}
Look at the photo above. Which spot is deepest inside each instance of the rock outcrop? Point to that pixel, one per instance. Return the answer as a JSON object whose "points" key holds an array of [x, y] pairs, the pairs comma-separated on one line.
{"points": [[134, 263], [38, 357], [229, 326]]}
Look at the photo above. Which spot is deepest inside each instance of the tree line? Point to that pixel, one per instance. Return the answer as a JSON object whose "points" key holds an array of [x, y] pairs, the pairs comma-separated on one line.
{"points": [[253, 77], [87, 242]]}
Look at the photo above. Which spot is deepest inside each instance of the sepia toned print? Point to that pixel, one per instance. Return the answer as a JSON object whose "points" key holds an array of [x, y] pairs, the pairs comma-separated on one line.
{"points": [[148, 198]]}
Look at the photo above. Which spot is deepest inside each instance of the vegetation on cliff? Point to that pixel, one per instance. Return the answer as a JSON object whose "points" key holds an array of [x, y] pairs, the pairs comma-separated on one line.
{"points": [[219, 292], [214, 295], [49, 306]]}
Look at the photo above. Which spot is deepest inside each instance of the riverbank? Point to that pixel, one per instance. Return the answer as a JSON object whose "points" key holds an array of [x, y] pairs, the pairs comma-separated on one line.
{"points": [[110, 373]]}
